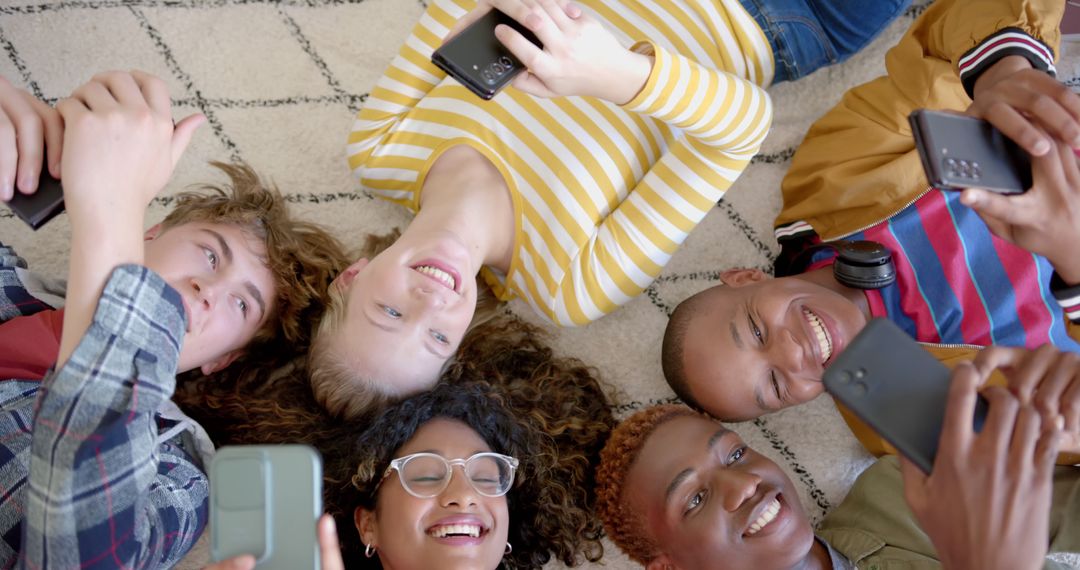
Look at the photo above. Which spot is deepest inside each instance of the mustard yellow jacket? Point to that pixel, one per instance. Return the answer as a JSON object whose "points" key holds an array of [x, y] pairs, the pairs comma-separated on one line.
{"points": [[858, 165]]}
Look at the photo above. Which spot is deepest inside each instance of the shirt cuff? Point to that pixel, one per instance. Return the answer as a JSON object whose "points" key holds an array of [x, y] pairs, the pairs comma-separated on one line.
{"points": [[650, 99], [1068, 296], [1004, 42]]}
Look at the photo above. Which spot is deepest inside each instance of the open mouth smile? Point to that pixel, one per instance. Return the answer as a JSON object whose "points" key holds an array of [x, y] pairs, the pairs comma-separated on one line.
{"points": [[821, 334]]}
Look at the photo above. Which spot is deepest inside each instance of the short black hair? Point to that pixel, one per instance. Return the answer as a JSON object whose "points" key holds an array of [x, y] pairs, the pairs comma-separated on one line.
{"points": [[672, 350]]}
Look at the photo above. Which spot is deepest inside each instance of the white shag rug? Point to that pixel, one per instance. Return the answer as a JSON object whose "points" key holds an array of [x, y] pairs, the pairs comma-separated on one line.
{"points": [[280, 82]]}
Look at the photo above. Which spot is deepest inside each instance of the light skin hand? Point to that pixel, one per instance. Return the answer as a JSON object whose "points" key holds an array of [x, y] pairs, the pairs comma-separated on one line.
{"points": [[30, 131], [986, 503], [1027, 105], [329, 551], [1044, 220], [120, 147], [579, 57]]}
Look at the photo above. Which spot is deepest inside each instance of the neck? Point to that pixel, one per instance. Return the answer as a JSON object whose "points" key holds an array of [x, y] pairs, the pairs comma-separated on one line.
{"points": [[463, 193], [824, 277]]}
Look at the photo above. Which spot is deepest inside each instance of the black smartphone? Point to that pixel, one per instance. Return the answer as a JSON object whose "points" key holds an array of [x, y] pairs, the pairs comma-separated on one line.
{"points": [[961, 152], [478, 60], [897, 388], [41, 206]]}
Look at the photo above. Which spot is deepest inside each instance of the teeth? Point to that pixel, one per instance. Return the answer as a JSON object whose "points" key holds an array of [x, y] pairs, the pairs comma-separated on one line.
{"points": [[439, 274], [821, 333], [472, 530], [766, 517]]}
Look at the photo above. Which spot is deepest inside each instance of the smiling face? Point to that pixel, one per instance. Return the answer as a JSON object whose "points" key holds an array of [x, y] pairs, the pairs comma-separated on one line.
{"points": [[406, 312], [706, 498], [413, 533], [758, 344], [228, 291]]}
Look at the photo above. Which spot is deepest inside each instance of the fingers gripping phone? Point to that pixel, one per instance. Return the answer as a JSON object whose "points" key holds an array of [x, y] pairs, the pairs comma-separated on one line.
{"points": [[961, 152], [897, 388], [478, 60], [43, 205], [265, 501]]}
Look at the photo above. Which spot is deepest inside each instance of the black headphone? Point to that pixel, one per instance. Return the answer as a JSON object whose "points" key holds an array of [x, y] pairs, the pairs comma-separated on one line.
{"points": [[859, 264]]}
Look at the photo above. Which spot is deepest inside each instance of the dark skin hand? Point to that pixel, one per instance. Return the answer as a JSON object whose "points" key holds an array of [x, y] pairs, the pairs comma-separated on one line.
{"points": [[986, 503]]}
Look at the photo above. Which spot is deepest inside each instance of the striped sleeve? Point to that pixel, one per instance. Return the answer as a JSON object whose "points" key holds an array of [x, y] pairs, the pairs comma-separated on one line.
{"points": [[1068, 296], [1005, 42], [410, 76], [723, 120]]}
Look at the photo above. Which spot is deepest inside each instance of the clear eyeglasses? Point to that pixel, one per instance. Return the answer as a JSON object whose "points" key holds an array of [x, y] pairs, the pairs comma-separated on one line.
{"points": [[425, 475]]}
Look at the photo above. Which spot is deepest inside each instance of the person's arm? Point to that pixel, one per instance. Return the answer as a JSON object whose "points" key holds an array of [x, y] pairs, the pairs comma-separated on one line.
{"points": [[723, 119], [103, 492], [860, 158], [410, 77], [986, 502]]}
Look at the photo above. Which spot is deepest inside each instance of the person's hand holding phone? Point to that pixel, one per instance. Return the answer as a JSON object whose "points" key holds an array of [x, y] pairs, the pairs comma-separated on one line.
{"points": [[30, 131], [1027, 105], [986, 503], [329, 551], [1046, 378], [120, 145], [580, 56], [1045, 220]]}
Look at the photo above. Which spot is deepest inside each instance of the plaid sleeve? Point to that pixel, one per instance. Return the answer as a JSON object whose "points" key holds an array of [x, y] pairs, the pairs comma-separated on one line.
{"points": [[103, 492], [15, 300]]}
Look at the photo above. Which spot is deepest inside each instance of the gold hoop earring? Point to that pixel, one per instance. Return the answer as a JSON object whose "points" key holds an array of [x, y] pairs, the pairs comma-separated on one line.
{"points": [[369, 550]]}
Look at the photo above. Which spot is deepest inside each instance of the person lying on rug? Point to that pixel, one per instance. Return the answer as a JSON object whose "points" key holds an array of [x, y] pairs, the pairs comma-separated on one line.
{"points": [[676, 489], [101, 469], [973, 269], [518, 407], [507, 386], [572, 188]]}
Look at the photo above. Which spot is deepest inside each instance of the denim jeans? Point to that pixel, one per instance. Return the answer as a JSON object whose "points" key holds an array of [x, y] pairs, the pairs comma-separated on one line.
{"points": [[808, 34]]}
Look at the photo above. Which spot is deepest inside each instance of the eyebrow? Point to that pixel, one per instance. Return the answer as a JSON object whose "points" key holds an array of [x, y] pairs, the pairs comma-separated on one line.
{"points": [[227, 253], [679, 479]]}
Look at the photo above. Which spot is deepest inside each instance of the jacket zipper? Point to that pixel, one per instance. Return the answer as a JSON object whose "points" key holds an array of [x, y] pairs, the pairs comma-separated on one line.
{"points": [[901, 209], [957, 345]]}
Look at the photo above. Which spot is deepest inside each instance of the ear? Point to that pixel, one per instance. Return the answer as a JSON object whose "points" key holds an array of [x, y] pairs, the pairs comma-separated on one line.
{"points": [[345, 278], [220, 363], [742, 277], [661, 562], [366, 525], [152, 233]]}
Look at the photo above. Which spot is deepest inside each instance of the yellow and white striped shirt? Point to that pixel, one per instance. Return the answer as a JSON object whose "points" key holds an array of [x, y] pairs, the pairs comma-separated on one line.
{"points": [[603, 195]]}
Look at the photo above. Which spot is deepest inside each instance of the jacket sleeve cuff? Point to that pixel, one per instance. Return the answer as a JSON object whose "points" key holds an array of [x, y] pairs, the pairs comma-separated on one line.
{"points": [[1068, 296], [1004, 42]]}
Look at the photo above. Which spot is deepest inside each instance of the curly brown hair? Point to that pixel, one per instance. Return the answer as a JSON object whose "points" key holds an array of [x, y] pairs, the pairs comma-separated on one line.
{"points": [[624, 526], [548, 412]]}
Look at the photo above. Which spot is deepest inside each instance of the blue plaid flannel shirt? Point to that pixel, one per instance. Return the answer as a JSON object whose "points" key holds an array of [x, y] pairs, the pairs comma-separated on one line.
{"points": [[84, 480]]}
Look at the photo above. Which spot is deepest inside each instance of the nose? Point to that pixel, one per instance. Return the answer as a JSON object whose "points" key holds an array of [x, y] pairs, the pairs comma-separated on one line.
{"points": [[736, 487], [786, 353], [427, 297], [459, 491], [204, 293]]}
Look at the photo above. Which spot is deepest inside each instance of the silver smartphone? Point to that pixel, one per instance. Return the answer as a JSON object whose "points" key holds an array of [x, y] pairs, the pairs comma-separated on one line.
{"points": [[897, 388], [958, 152], [265, 500]]}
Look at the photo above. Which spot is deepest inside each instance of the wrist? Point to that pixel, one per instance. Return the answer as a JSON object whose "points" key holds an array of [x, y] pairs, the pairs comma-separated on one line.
{"points": [[1001, 69], [629, 78]]}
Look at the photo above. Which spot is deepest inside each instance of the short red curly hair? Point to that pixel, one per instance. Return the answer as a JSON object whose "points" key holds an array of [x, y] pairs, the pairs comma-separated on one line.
{"points": [[625, 527]]}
